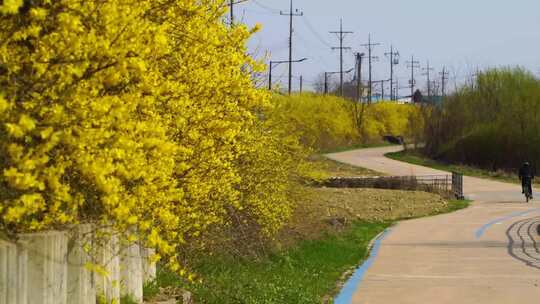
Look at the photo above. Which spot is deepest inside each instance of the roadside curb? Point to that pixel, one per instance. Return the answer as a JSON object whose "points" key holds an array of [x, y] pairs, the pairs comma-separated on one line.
{"points": [[351, 286]]}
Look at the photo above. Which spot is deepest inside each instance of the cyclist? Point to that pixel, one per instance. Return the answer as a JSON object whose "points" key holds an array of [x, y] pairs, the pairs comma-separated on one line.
{"points": [[526, 175]]}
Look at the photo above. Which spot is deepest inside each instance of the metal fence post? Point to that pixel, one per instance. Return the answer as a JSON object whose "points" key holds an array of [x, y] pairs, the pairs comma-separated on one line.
{"points": [[457, 185]]}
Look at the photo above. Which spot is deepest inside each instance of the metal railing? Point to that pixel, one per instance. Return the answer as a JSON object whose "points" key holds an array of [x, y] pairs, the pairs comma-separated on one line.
{"points": [[447, 184]]}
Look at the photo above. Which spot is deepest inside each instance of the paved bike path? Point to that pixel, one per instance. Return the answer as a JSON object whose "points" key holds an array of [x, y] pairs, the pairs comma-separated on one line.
{"points": [[488, 253]]}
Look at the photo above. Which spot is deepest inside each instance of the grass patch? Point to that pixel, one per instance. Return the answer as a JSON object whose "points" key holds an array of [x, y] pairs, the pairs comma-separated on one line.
{"points": [[125, 299], [332, 168], [415, 158], [456, 205], [303, 274]]}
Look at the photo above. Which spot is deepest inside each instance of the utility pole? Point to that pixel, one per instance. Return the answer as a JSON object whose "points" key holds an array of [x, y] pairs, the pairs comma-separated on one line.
{"points": [[444, 75], [291, 14], [382, 86], [413, 64], [341, 36], [359, 59], [370, 46], [326, 74], [427, 72], [273, 64], [231, 5], [396, 89], [394, 60], [325, 83], [270, 77], [301, 83]]}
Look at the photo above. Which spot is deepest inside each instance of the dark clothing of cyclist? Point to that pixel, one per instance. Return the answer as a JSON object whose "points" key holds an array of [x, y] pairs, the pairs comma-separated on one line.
{"points": [[526, 175]]}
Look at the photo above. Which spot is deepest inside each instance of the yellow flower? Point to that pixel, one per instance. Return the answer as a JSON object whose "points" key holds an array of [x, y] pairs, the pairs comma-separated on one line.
{"points": [[10, 6], [4, 105], [38, 13]]}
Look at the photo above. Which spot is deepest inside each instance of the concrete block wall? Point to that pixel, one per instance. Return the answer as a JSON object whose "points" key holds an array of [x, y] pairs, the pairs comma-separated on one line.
{"points": [[50, 268]]}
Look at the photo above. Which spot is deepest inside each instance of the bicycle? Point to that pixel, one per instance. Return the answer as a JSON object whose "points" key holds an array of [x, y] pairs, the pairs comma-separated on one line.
{"points": [[528, 193]]}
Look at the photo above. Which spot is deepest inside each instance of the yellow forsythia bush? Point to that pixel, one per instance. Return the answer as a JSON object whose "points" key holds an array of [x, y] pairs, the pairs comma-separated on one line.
{"points": [[140, 114], [328, 122], [388, 118], [321, 122]]}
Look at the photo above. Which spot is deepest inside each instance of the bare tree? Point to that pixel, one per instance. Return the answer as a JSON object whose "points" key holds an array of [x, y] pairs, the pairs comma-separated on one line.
{"points": [[318, 85]]}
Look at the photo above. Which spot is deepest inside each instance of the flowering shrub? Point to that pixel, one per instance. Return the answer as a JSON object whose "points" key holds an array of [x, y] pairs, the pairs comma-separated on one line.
{"points": [[129, 113], [328, 122], [388, 118]]}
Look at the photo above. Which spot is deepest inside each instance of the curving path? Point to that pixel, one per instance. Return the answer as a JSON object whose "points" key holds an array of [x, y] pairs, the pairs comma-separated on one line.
{"points": [[488, 253]]}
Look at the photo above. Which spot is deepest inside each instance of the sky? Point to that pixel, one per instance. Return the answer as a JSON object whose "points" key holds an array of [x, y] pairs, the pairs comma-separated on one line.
{"points": [[461, 35]]}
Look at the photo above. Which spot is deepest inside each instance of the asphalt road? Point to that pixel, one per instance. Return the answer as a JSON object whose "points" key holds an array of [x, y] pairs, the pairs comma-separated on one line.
{"points": [[488, 253]]}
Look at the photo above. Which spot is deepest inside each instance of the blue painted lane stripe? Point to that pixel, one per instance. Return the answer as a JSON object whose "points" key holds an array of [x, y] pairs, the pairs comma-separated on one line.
{"points": [[346, 294], [480, 232]]}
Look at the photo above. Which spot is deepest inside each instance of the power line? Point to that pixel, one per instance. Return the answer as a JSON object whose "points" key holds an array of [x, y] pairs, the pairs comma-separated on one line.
{"points": [[370, 46], [308, 48], [265, 7], [341, 36], [252, 11], [277, 46], [291, 14], [312, 29]]}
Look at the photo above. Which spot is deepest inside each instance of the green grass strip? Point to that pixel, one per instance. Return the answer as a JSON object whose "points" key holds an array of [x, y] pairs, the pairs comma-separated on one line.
{"points": [[416, 159]]}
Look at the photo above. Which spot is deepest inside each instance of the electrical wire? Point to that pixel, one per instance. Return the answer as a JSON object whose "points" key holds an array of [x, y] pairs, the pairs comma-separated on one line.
{"points": [[312, 29], [306, 46], [267, 8], [257, 12]]}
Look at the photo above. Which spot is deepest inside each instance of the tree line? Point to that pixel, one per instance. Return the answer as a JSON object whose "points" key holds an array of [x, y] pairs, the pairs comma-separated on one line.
{"points": [[492, 123]]}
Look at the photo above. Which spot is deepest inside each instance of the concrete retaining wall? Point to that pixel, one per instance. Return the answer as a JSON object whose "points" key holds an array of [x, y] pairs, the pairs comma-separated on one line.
{"points": [[81, 281], [149, 269], [131, 272], [108, 283], [46, 271], [13, 274], [52, 268]]}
